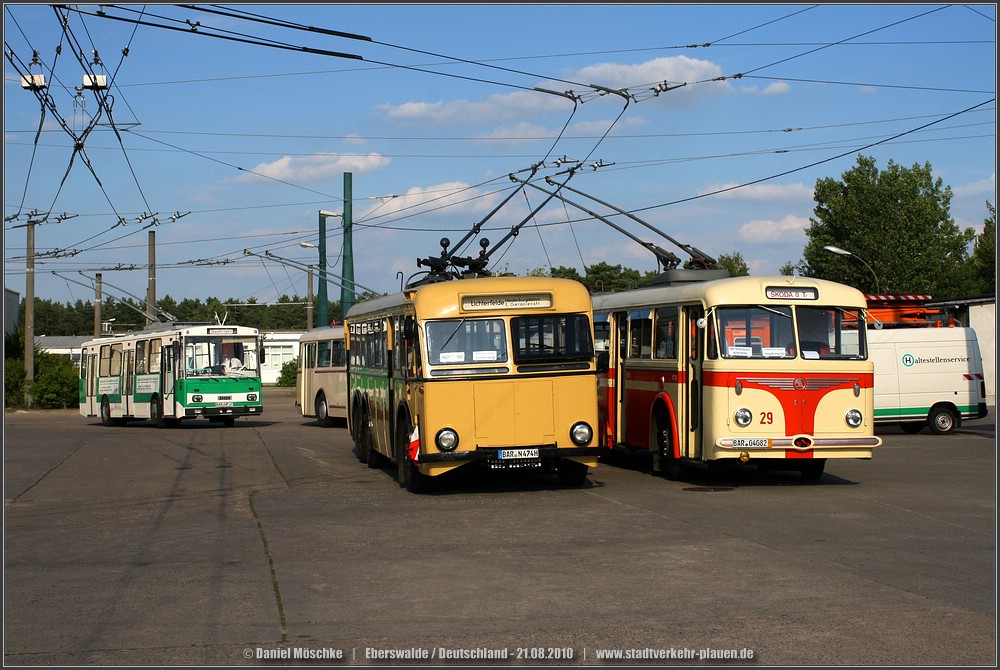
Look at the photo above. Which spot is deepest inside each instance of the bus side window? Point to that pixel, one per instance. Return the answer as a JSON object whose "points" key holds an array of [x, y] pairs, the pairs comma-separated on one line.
{"points": [[338, 354], [665, 340], [641, 333], [154, 356], [116, 360], [140, 357], [323, 354]]}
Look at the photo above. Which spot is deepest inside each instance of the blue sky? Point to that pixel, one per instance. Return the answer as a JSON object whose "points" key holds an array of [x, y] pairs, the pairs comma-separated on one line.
{"points": [[223, 144]]}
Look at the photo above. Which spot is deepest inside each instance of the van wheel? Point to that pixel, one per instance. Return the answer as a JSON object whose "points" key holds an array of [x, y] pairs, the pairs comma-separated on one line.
{"points": [[942, 421]]}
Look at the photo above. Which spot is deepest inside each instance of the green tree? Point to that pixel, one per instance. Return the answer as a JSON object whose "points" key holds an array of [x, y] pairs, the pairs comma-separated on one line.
{"points": [[898, 222], [983, 264], [734, 263], [56, 383]]}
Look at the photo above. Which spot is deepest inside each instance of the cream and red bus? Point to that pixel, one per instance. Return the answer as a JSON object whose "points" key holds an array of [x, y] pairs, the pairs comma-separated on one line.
{"points": [[498, 371], [773, 371]]}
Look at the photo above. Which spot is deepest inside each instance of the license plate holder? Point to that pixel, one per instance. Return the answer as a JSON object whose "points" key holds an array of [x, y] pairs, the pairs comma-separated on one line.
{"points": [[516, 454], [751, 443]]}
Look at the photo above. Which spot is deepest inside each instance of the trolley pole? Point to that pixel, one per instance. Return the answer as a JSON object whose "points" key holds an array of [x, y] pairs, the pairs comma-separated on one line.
{"points": [[347, 274]]}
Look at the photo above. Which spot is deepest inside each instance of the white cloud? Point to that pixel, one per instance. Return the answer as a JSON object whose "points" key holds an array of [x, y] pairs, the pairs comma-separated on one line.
{"points": [[775, 88], [314, 168], [517, 105], [760, 192], [983, 187], [455, 197], [769, 230]]}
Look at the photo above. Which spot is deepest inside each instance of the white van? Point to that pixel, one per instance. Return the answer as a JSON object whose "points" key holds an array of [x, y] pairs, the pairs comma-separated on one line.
{"points": [[927, 377]]}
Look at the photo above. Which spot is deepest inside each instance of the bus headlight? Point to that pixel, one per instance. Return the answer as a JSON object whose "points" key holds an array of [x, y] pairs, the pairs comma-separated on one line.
{"points": [[581, 433], [853, 418], [251, 397], [743, 417], [446, 439], [196, 398]]}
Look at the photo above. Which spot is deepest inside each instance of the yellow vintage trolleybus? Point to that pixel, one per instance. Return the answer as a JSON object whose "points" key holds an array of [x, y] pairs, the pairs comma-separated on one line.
{"points": [[768, 370], [172, 371], [492, 370]]}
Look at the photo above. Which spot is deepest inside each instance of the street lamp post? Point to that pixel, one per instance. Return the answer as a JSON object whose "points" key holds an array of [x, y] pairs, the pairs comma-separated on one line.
{"points": [[323, 306], [844, 252]]}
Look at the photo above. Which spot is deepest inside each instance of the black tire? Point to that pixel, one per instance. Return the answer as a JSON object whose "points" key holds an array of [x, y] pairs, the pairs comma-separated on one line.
{"points": [[229, 421], [664, 460], [912, 427], [156, 412], [572, 473], [106, 419], [812, 470], [362, 435], [942, 420], [407, 474], [323, 411]]}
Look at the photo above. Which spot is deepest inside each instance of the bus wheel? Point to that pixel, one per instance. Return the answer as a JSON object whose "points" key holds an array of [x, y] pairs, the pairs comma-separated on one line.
{"points": [[229, 421], [912, 427], [942, 420], [813, 469], [323, 411], [362, 445], [156, 412], [663, 454], [106, 419], [572, 473], [407, 473]]}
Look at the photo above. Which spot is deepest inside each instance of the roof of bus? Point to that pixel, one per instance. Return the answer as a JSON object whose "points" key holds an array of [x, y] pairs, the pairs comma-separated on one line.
{"points": [[322, 333], [170, 327], [730, 291], [444, 294]]}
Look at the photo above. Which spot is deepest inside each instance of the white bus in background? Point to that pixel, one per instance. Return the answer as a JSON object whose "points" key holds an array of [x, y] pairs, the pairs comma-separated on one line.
{"points": [[321, 382], [927, 377]]}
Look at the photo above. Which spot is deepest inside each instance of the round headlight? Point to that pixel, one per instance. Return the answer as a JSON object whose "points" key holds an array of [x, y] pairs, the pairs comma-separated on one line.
{"points": [[743, 417], [251, 397], [196, 398], [581, 433], [853, 418], [446, 439]]}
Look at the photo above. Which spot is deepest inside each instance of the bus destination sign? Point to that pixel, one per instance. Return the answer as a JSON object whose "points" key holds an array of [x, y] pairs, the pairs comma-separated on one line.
{"points": [[786, 293], [472, 303]]}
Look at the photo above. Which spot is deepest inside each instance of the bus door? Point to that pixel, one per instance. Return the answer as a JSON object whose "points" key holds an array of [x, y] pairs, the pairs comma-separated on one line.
{"points": [[690, 427], [619, 352], [169, 355], [128, 376]]}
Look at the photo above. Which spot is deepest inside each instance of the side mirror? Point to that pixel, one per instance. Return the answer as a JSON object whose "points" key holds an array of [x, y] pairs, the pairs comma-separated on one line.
{"points": [[261, 356], [409, 328], [603, 361]]}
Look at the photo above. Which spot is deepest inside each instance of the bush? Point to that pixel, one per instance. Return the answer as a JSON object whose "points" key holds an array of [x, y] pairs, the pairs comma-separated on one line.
{"points": [[289, 373], [13, 382], [57, 382]]}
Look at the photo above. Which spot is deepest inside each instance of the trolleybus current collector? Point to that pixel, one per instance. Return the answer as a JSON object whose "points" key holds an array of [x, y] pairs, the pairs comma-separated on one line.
{"points": [[774, 371], [172, 371], [493, 370]]}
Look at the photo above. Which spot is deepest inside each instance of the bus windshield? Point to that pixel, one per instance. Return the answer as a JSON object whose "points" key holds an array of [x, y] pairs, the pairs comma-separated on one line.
{"points": [[220, 355], [762, 331], [465, 341]]}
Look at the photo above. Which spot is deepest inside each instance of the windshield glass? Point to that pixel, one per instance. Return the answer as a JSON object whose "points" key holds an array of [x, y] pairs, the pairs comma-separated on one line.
{"points": [[220, 355], [761, 331], [553, 338], [466, 341]]}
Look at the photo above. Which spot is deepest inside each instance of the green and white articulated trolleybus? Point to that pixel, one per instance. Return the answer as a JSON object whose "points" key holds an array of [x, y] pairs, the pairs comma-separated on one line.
{"points": [[172, 371]]}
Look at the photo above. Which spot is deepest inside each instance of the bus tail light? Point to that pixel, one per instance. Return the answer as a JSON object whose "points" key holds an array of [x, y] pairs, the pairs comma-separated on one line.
{"points": [[853, 418], [446, 439], [581, 433], [743, 417]]}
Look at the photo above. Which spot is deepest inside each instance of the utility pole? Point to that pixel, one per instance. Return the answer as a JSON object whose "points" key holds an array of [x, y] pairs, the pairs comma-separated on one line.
{"points": [[151, 286], [29, 315], [97, 306], [323, 302], [309, 300], [347, 274]]}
